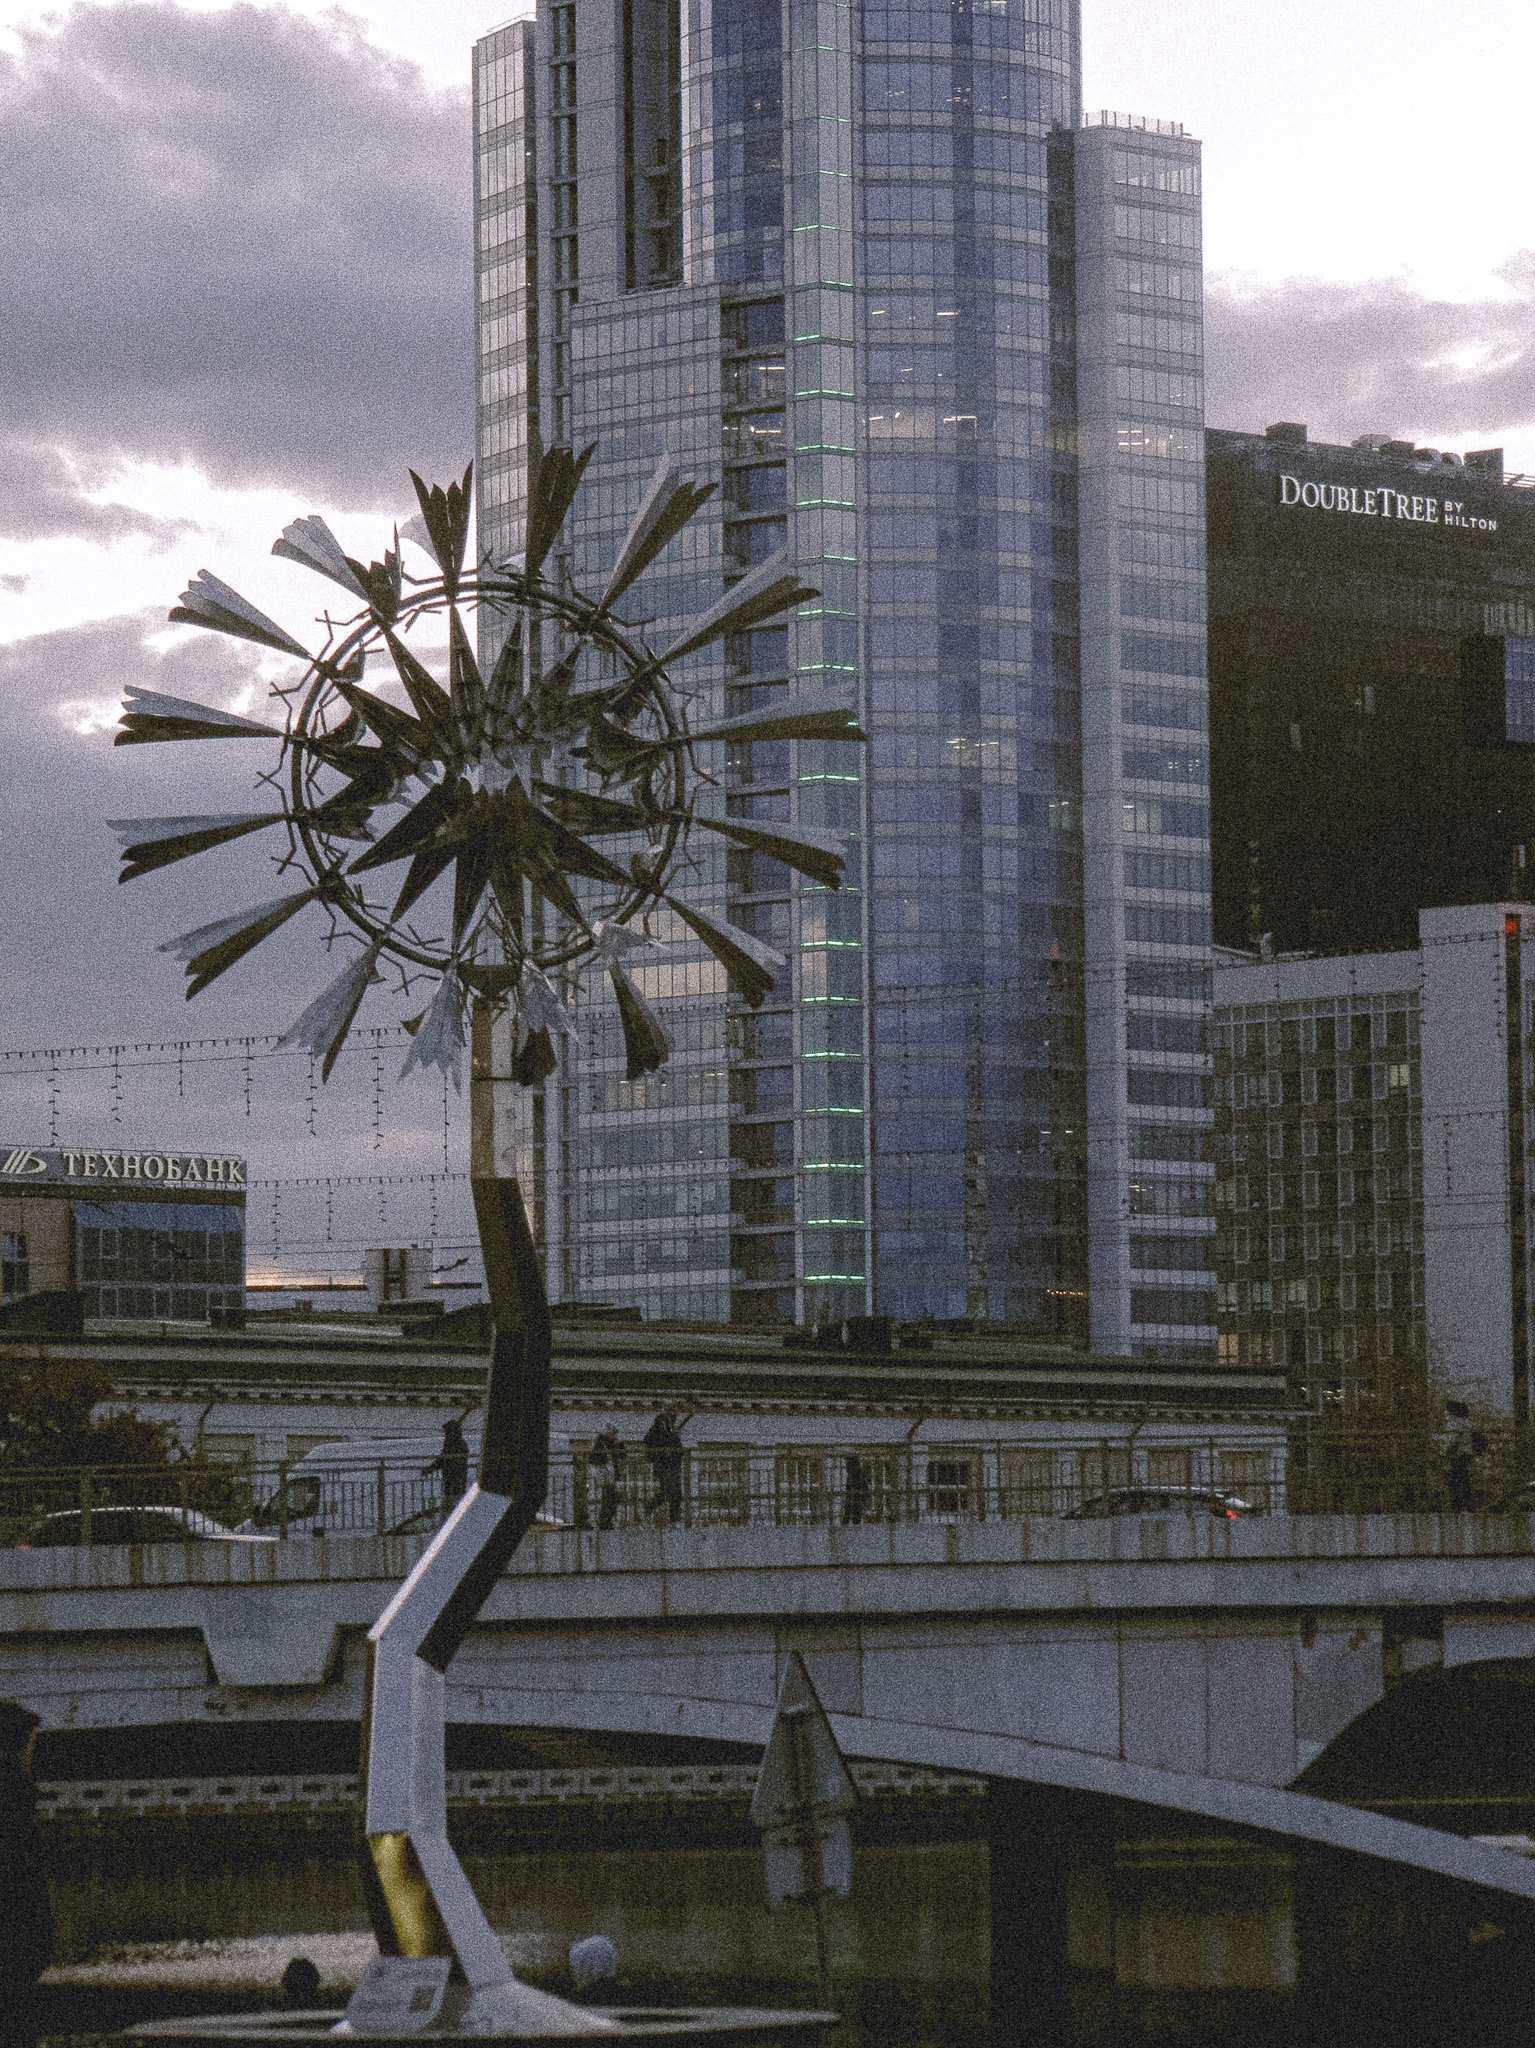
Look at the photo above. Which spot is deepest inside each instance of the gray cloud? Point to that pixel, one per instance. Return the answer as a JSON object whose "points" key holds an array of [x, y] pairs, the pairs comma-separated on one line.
{"points": [[1375, 357], [92, 942], [42, 494], [237, 237]]}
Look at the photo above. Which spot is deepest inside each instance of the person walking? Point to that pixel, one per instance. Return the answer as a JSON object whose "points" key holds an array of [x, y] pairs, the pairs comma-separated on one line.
{"points": [[26, 1924], [663, 1446], [605, 1461], [452, 1461], [856, 1493]]}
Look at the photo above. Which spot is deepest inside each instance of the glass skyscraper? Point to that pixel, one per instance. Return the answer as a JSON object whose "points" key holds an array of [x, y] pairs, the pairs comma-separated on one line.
{"points": [[868, 269]]}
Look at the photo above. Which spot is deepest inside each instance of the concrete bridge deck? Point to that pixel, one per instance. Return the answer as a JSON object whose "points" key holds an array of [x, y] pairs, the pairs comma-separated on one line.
{"points": [[1191, 1664]]}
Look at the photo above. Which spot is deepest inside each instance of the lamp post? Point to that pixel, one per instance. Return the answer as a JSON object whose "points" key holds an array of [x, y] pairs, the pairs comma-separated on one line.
{"points": [[559, 787]]}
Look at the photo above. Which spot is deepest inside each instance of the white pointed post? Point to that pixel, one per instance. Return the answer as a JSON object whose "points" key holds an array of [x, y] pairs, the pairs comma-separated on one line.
{"points": [[803, 1798]]}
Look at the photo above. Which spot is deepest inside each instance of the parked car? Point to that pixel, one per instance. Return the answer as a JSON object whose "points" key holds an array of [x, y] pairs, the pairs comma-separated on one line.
{"points": [[132, 1525], [334, 1490], [1159, 1500]]}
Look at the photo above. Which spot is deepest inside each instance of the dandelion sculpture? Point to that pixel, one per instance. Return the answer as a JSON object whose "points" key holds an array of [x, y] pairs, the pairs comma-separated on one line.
{"points": [[560, 789]]}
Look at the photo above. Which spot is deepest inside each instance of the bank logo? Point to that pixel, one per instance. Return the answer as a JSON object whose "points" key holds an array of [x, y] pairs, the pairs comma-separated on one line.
{"points": [[21, 1160]]}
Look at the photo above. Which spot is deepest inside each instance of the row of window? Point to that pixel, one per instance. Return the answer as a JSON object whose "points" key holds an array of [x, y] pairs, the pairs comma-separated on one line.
{"points": [[1321, 1031], [1353, 1134], [1397, 1183], [160, 1304], [1380, 1239], [1377, 1081], [1324, 1346], [1312, 1292]]}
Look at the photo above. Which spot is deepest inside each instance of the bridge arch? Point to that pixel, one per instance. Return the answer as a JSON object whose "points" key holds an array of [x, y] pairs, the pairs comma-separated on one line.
{"points": [[1299, 1816]]}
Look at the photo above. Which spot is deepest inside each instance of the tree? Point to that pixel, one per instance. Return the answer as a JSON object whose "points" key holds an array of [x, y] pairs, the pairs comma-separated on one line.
{"points": [[48, 1417]]}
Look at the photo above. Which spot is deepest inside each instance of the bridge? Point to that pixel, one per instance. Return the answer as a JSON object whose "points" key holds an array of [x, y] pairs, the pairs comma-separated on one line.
{"points": [[1185, 1663]]}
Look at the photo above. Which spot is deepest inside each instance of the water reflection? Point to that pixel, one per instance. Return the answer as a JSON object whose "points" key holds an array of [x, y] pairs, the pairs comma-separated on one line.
{"points": [[909, 1951]]}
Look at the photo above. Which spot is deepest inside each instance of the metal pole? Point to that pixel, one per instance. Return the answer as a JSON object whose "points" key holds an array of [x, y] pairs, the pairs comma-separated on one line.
{"points": [[86, 1517], [282, 1500], [802, 1768], [419, 1900], [383, 1481]]}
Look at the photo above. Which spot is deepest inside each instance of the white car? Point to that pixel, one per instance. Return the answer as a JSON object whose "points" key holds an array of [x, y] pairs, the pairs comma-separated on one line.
{"points": [[133, 1525]]}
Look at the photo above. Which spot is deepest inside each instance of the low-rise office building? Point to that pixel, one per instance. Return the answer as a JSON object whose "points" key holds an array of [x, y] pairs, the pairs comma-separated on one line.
{"points": [[964, 1426], [138, 1232], [1372, 1128]]}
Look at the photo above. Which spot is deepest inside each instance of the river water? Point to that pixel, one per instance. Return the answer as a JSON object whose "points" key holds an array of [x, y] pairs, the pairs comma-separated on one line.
{"points": [[1169, 1937], [909, 1950]]}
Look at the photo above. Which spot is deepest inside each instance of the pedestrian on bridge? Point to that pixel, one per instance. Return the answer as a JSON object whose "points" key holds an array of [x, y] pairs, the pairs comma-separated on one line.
{"points": [[663, 1446], [605, 1461], [452, 1461], [26, 1912]]}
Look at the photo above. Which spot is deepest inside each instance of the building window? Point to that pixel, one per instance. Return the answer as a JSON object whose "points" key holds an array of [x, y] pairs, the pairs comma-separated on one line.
{"points": [[15, 1268], [1519, 690]]}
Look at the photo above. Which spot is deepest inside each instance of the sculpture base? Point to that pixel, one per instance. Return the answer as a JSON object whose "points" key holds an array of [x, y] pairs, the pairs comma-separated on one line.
{"points": [[707, 2026]]}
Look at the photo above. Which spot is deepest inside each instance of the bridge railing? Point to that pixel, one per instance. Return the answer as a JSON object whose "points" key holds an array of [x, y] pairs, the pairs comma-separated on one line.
{"points": [[1289, 1470]]}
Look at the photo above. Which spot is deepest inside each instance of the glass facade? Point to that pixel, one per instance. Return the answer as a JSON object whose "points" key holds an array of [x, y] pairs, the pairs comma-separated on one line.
{"points": [[1145, 753], [15, 1265], [171, 1261], [1519, 690], [893, 235]]}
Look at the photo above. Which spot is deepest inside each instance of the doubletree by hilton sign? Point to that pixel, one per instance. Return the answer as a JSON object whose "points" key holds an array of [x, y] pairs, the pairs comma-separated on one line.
{"points": [[28, 1167], [1382, 503]]}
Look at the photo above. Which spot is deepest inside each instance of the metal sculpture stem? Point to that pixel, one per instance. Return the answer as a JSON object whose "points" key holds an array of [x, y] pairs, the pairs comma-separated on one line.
{"points": [[419, 1899]]}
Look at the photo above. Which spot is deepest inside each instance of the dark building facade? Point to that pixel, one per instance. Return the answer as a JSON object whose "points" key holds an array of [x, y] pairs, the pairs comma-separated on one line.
{"points": [[1372, 687]]}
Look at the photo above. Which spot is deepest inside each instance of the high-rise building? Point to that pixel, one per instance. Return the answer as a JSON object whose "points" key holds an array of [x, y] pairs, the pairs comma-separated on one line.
{"points": [[1374, 1118], [1372, 686], [870, 272]]}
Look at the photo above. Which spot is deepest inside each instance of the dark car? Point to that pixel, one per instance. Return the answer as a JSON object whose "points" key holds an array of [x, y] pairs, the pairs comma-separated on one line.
{"points": [[426, 1521], [132, 1525], [1159, 1500]]}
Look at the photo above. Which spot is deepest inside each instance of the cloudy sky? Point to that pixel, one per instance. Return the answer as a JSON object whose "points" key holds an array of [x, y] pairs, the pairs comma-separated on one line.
{"points": [[235, 254]]}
